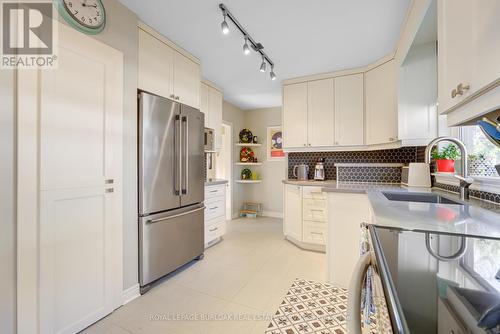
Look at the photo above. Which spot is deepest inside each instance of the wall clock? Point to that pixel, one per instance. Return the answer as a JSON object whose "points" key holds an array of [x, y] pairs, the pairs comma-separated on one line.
{"points": [[87, 16]]}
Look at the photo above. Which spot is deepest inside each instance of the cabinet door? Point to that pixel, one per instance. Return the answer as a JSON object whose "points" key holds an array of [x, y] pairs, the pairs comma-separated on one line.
{"points": [[186, 80], [80, 163], [345, 214], [320, 113], [381, 111], [155, 65], [293, 211], [486, 52], [204, 106], [215, 114], [295, 115], [455, 35], [349, 107]]}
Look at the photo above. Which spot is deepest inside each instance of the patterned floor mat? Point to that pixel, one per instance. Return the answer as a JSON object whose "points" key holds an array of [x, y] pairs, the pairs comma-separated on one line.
{"points": [[311, 307]]}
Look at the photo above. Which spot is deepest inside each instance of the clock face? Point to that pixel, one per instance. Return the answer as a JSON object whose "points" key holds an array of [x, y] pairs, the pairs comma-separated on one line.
{"points": [[88, 13]]}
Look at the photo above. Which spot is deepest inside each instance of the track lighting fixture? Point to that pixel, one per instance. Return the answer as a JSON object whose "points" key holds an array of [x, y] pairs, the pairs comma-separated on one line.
{"points": [[263, 65], [246, 48], [224, 26], [249, 44], [272, 74]]}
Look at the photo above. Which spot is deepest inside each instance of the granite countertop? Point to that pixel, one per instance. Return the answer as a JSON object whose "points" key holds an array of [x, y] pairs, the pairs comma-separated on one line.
{"points": [[475, 218], [212, 182], [344, 187]]}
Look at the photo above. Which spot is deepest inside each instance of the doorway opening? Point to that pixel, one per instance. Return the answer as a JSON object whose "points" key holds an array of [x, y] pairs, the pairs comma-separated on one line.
{"points": [[224, 165]]}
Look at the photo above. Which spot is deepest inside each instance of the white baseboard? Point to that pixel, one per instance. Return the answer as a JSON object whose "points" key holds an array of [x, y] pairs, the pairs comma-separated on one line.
{"points": [[130, 294], [272, 214]]}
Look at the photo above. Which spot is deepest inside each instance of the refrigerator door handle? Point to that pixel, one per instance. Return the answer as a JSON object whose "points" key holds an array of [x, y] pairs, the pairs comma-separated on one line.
{"points": [[185, 186], [178, 153], [152, 221]]}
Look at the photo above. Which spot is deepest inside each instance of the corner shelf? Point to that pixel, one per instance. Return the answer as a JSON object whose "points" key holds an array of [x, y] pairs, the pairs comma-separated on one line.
{"points": [[248, 181], [248, 144], [248, 163]]}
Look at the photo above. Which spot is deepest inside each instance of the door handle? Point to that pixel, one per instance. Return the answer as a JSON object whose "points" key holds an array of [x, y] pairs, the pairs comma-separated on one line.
{"points": [[109, 181], [109, 190], [185, 186], [152, 221], [178, 150], [355, 287], [213, 229]]}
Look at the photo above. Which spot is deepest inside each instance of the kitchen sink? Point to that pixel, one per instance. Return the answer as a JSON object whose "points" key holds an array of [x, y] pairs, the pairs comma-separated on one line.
{"points": [[418, 197]]}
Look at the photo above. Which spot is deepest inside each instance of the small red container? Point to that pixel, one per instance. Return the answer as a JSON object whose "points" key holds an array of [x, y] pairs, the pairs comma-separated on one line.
{"points": [[445, 166]]}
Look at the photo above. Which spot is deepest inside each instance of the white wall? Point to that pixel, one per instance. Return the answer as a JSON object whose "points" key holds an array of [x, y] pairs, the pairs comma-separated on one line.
{"points": [[236, 117], [270, 191], [121, 34], [7, 205]]}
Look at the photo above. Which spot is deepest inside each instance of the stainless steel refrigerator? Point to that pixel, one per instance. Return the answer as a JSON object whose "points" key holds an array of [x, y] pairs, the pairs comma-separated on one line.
{"points": [[171, 186]]}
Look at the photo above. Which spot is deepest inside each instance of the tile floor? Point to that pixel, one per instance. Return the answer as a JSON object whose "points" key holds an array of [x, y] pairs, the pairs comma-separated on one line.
{"points": [[244, 278]]}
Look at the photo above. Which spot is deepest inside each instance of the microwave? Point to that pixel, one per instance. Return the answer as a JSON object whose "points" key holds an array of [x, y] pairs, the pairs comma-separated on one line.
{"points": [[209, 140]]}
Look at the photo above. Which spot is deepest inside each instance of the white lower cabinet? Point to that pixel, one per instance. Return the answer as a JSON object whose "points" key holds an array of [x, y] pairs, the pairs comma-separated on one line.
{"points": [[305, 219], [292, 222], [345, 214], [215, 211]]}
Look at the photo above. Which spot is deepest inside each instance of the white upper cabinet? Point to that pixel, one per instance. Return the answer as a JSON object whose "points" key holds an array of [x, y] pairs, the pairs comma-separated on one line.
{"points": [[320, 113], [167, 72], [295, 115], [186, 80], [204, 107], [417, 95], [381, 105], [486, 51], [215, 115], [349, 110], [468, 50], [455, 53], [155, 65], [211, 106]]}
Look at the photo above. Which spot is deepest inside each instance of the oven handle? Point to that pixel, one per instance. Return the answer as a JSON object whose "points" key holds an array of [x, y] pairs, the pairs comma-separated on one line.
{"points": [[355, 288]]}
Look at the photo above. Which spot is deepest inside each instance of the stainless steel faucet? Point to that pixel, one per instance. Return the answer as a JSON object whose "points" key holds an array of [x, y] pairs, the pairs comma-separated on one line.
{"points": [[465, 181]]}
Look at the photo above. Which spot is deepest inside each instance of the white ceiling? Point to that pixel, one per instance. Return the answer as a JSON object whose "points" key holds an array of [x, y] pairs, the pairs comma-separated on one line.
{"points": [[302, 37]]}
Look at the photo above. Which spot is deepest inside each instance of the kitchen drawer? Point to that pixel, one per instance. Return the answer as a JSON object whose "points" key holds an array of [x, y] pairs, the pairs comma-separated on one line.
{"points": [[215, 191], [314, 232], [314, 209], [214, 208], [313, 192], [214, 229]]}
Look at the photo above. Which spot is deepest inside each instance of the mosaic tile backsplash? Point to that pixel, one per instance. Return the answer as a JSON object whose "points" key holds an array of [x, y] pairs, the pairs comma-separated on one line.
{"points": [[403, 155], [484, 195]]}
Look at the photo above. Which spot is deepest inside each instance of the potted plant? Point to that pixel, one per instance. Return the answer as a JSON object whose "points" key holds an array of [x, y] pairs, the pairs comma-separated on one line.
{"points": [[445, 158]]}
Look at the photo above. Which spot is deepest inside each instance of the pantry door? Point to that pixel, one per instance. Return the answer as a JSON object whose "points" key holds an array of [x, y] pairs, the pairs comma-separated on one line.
{"points": [[73, 141]]}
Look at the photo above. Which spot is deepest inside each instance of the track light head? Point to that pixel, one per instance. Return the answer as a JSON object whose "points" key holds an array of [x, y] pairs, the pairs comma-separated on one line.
{"points": [[246, 48], [272, 74], [263, 65], [224, 26]]}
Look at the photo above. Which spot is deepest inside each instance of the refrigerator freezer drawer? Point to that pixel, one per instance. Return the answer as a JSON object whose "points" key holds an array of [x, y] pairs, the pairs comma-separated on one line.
{"points": [[168, 241]]}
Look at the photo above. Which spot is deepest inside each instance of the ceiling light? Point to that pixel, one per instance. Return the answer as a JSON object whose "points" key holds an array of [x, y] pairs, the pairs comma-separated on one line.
{"points": [[224, 26], [263, 65], [272, 74], [246, 48], [250, 44]]}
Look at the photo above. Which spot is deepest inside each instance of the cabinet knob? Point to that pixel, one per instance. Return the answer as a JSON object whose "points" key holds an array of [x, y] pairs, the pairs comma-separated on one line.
{"points": [[305, 144], [172, 96], [177, 98], [336, 143], [460, 90]]}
